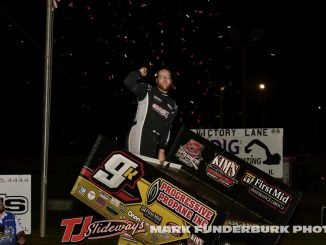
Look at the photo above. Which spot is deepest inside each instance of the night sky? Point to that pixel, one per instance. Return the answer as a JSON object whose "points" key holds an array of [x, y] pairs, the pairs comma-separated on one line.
{"points": [[97, 42]]}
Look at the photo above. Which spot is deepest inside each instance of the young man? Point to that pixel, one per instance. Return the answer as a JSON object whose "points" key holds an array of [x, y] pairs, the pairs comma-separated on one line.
{"points": [[156, 111], [11, 233]]}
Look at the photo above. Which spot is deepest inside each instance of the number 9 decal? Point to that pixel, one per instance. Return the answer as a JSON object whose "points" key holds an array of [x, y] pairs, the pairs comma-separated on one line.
{"points": [[117, 171]]}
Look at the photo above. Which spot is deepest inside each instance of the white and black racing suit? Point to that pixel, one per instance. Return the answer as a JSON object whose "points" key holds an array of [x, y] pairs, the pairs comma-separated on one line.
{"points": [[153, 119]]}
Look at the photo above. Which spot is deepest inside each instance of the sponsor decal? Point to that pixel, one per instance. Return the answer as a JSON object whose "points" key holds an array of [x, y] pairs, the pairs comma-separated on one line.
{"points": [[133, 216], [164, 113], [112, 210], [97, 229], [190, 153], [268, 194], [236, 222], [180, 203], [115, 202], [156, 218], [128, 238], [82, 190], [175, 229], [104, 196], [123, 207], [117, 174], [223, 170], [157, 98], [100, 201], [195, 240], [136, 218], [91, 195]]}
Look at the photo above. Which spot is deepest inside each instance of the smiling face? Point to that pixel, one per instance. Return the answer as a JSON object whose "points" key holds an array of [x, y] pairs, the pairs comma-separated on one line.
{"points": [[164, 80]]}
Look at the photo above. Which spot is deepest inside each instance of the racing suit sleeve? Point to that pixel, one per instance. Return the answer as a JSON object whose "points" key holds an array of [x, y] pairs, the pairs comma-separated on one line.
{"points": [[131, 82], [165, 133]]}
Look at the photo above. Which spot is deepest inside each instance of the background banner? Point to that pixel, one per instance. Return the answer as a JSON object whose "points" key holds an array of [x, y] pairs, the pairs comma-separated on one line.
{"points": [[15, 192], [260, 147]]}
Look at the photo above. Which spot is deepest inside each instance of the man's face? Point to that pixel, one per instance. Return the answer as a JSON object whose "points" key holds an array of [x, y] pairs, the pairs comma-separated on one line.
{"points": [[164, 80], [2, 207]]}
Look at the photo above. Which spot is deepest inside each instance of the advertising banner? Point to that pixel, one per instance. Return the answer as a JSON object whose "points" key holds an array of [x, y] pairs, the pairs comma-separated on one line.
{"points": [[234, 177], [15, 193], [260, 147]]}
